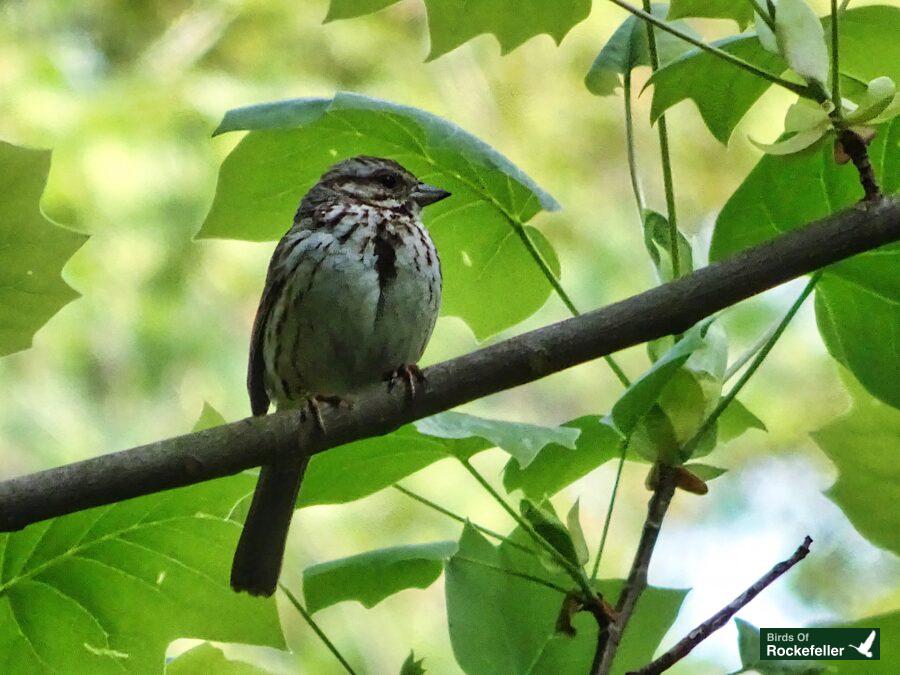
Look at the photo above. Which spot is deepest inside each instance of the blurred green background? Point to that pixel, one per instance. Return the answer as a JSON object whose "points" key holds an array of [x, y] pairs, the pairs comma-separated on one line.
{"points": [[127, 95]]}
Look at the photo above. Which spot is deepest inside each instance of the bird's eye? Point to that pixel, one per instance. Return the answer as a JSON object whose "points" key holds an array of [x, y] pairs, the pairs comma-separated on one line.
{"points": [[389, 180]]}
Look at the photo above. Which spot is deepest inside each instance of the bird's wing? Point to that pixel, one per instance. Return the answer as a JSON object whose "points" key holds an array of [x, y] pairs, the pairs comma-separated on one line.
{"points": [[869, 640], [256, 368]]}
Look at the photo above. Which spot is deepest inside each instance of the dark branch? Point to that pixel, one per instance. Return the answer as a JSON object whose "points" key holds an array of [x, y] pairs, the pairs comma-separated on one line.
{"points": [[665, 479], [715, 622], [856, 148], [664, 310]]}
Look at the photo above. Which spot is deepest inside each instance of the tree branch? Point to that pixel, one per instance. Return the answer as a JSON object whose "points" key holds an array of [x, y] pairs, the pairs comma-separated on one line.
{"points": [[608, 641], [719, 619], [856, 148], [668, 309]]}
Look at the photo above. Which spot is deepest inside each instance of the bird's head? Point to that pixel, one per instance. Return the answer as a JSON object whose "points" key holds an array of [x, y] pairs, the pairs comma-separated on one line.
{"points": [[381, 182]]}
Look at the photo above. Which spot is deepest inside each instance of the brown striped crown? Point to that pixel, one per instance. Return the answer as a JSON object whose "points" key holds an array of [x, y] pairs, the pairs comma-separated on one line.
{"points": [[371, 180]]}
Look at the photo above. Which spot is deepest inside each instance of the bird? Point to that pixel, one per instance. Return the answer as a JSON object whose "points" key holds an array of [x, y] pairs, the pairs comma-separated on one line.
{"points": [[865, 648], [351, 297]]}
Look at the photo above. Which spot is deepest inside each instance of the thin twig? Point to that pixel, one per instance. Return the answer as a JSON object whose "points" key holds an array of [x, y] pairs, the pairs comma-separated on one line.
{"points": [[719, 619], [799, 89], [460, 519], [608, 641], [318, 631], [688, 448]]}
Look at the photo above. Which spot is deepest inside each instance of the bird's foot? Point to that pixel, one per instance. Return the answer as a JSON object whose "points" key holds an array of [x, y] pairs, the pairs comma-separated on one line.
{"points": [[314, 408], [410, 374]]}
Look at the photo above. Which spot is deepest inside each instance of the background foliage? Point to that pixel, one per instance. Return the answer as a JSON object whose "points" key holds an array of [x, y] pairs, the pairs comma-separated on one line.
{"points": [[127, 95]]}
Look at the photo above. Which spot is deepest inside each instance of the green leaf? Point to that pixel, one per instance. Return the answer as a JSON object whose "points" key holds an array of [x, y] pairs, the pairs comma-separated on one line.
{"points": [[801, 40], [735, 420], [34, 250], [643, 393], [748, 642], [371, 577], [740, 11], [454, 22], [857, 300], [723, 93], [107, 589], [626, 49], [557, 466], [206, 659], [799, 141], [765, 35], [705, 472], [890, 628], [356, 470], [804, 115], [685, 400], [209, 418], [858, 320], [880, 93], [573, 524], [863, 446], [521, 615], [412, 666], [546, 524], [748, 648], [349, 9], [477, 231], [451, 22], [522, 441], [805, 123], [657, 239]]}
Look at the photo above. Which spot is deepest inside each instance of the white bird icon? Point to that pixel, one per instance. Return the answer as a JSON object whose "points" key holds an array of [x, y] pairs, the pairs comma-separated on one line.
{"points": [[864, 648]]}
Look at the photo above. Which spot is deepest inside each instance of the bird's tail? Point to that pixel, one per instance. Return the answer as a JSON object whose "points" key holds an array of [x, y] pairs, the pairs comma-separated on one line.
{"points": [[260, 550]]}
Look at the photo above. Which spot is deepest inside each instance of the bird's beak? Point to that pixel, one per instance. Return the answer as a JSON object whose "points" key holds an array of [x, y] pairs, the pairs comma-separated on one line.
{"points": [[426, 194]]}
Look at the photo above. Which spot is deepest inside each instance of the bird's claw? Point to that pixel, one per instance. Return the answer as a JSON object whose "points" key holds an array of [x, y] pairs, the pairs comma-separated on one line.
{"points": [[410, 374], [314, 409]]}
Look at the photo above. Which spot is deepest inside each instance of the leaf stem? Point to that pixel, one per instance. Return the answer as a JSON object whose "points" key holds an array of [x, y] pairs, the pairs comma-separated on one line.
{"points": [[460, 519], [623, 445], [726, 400], [629, 147], [763, 14], [318, 631], [574, 571], [744, 358], [561, 292], [513, 573], [663, 130], [837, 113], [801, 90]]}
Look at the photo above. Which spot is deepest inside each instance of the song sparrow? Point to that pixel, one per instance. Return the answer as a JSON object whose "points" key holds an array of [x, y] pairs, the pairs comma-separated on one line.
{"points": [[351, 297]]}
